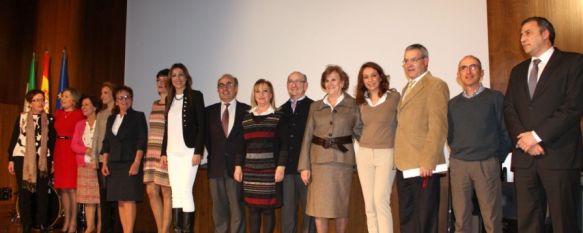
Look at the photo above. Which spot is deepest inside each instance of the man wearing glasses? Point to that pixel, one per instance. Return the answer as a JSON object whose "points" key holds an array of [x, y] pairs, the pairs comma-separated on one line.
{"points": [[419, 142], [479, 143], [295, 192], [224, 142]]}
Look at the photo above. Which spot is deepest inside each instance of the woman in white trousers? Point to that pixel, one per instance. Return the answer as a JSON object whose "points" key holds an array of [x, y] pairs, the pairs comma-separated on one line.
{"points": [[378, 108], [182, 146]]}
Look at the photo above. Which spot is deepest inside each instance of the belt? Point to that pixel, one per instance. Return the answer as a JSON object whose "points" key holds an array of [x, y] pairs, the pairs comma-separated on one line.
{"points": [[64, 137], [335, 143]]}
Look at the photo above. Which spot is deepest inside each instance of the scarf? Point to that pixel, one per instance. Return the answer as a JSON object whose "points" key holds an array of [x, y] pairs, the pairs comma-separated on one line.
{"points": [[29, 173]]}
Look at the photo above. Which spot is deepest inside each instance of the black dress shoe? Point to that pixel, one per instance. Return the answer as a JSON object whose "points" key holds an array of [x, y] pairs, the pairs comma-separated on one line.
{"points": [[26, 229], [44, 229]]}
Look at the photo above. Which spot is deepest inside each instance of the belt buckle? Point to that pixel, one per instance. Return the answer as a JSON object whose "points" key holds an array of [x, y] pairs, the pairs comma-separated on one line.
{"points": [[327, 143]]}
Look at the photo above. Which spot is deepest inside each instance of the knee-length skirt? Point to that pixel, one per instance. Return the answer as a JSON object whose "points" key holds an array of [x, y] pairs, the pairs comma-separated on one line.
{"points": [[87, 185], [123, 187], [329, 190]]}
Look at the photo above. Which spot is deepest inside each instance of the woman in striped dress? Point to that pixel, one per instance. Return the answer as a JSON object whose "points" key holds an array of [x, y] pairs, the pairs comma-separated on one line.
{"points": [[263, 168], [82, 145], [156, 173]]}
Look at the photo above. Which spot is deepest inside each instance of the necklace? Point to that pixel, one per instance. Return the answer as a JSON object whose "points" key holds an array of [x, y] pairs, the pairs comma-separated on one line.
{"points": [[66, 114], [179, 98]]}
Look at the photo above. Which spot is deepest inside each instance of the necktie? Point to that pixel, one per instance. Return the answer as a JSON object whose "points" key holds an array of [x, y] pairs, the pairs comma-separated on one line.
{"points": [[225, 120], [408, 88], [532, 77], [294, 103]]}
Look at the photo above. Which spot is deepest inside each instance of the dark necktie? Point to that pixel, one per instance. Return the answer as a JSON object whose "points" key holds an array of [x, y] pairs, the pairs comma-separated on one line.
{"points": [[532, 77], [225, 120]]}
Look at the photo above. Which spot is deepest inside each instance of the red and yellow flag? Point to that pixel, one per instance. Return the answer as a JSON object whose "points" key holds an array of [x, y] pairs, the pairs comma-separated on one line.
{"points": [[45, 81]]}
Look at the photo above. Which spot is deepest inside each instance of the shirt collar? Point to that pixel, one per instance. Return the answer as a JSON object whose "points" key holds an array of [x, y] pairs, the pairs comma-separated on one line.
{"points": [[298, 100], [231, 103], [270, 110], [369, 101], [418, 78], [340, 98], [544, 58], [480, 89]]}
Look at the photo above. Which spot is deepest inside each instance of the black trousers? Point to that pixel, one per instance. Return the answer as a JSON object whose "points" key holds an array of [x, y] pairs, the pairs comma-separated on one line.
{"points": [[40, 197], [536, 187], [110, 222], [418, 203], [262, 215]]}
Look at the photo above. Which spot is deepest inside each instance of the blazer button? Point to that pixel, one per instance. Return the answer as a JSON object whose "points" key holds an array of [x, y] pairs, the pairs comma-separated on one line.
{"points": [[331, 122], [291, 136]]}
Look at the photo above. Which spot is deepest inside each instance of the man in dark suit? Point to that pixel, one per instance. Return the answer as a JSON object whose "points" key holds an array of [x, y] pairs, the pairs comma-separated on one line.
{"points": [[543, 107], [224, 135], [294, 190]]}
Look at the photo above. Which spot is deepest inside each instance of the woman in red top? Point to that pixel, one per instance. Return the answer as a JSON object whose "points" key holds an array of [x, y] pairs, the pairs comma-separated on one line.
{"points": [[65, 160]]}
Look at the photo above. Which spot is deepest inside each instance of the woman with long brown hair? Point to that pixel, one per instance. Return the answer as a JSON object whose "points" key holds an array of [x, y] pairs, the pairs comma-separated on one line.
{"points": [[378, 110], [107, 214], [182, 146]]}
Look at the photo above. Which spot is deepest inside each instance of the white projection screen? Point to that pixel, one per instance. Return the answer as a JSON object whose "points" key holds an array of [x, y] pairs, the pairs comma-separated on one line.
{"points": [[254, 39]]}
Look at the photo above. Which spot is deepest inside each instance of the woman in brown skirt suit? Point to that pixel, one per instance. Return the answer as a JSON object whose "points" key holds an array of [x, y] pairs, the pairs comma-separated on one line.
{"points": [[327, 155]]}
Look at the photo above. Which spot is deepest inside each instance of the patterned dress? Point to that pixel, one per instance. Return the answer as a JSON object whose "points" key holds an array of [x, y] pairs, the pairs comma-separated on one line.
{"points": [[264, 137], [87, 185], [153, 169], [65, 161]]}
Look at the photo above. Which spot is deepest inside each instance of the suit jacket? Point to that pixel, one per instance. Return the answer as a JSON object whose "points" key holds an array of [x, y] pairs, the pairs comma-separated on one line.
{"points": [[422, 124], [192, 122], [132, 136], [554, 112], [296, 125], [323, 123], [222, 150]]}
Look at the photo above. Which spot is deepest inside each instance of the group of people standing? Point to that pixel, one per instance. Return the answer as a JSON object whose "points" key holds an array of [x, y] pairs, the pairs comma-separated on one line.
{"points": [[300, 155]]}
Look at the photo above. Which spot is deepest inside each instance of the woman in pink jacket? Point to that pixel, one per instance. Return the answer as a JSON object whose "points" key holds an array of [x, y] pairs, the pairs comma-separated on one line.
{"points": [[87, 185]]}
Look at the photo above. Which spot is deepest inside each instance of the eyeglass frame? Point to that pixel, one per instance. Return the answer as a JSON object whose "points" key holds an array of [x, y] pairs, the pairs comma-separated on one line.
{"points": [[413, 60], [123, 97], [471, 67], [229, 85]]}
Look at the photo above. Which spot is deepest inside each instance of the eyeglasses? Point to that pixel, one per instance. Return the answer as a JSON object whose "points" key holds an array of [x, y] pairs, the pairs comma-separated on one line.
{"points": [[472, 67], [296, 81], [415, 59], [123, 97], [225, 86]]}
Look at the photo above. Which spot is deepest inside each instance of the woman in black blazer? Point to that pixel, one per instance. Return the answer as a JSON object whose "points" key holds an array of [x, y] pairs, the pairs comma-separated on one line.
{"points": [[123, 148], [182, 146]]}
